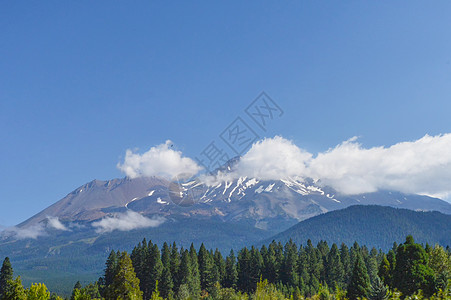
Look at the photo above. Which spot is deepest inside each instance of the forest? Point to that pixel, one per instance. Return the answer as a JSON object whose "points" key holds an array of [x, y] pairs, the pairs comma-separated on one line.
{"points": [[407, 271]]}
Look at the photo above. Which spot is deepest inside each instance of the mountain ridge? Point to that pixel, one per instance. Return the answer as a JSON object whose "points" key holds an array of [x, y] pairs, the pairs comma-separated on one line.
{"points": [[371, 225]]}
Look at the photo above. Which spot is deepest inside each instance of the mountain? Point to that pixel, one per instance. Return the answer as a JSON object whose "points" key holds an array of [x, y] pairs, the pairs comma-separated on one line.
{"points": [[373, 226], [70, 239], [268, 205]]}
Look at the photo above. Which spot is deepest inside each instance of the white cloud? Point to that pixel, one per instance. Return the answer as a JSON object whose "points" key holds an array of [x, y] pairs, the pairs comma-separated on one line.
{"points": [[31, 232], [420, 167], [55, 223], [126, 221], [34, 231], [158, 161], [273, 158]]}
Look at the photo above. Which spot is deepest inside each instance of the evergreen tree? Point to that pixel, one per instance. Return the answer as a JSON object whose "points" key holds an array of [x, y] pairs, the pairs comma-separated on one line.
{"points": [[440, 262], [231, 273], [125, 284], [244, 281], [166, 285], [289, 266], [220, 265], [92, 290], [359, 285], [155, 268], [110, 269], [412, 271], [372, 265], [78, 287], [269, 270], [385, 271], [378, 290], [175, 265], [156, 293], [314, 268], [6, 276], [334, 268], [255, 267], [279, 250], [166, 255], [195, 282], [346, 261], [183, 292], [205, 268], [14, 290], [185, 272], [139, 258], [38, 291]]}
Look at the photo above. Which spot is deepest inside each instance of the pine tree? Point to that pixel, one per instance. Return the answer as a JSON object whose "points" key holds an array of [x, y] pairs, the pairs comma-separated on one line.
{"points": [[255, 266], [334, 268], [313, 268], [385, 271], [378, 290], [244, 270], [166, 255], [270, 269], [371, 265], [175, 265], [220, 265], [205, 268], [38, 291], [166, 285], [156, 293], [139, 258], [185, 273], [78, 287], [183, 292], [359, 285], [6, 276], [346, 261], [155, 268], [125, 284], [231, 273], [110, 269], [412, 271], [289, 269], [14, 290], [195, 282]]}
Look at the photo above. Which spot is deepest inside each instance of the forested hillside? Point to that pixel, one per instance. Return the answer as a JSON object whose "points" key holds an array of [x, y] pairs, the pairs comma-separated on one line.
{"points": [[373, 225]]}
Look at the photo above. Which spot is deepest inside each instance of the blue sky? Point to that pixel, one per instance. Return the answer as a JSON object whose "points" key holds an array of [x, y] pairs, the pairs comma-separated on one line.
{"points": [[81, 82]]}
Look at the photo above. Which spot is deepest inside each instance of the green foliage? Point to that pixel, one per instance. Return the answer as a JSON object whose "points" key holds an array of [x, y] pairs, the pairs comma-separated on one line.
{"points": [[267, 291], [378, 290], [274, 272], [231, 273], [6, 275], [334, 268], [125, 284], [359, 285], [14, 290], [440, 263], [412, 272], [38, 291], [342, 226]]}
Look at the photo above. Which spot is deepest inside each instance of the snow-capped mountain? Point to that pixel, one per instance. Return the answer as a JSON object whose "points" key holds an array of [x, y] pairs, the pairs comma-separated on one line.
{"points": [[80, 230], [269, 205]]}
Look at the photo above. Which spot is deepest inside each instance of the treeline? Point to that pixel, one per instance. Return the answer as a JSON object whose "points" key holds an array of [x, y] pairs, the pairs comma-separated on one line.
{"points": [[294, 272], [276, 271]]}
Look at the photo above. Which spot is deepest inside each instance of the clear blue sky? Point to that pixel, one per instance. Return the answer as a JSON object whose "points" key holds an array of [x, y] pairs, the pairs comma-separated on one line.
{"points": [[82, 81]]}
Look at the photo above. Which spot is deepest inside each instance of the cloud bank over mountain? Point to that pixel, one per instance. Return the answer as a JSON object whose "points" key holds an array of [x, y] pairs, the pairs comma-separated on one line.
{"points": [[160, 160], [422, 166], [126, 221], [35, 231]]}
